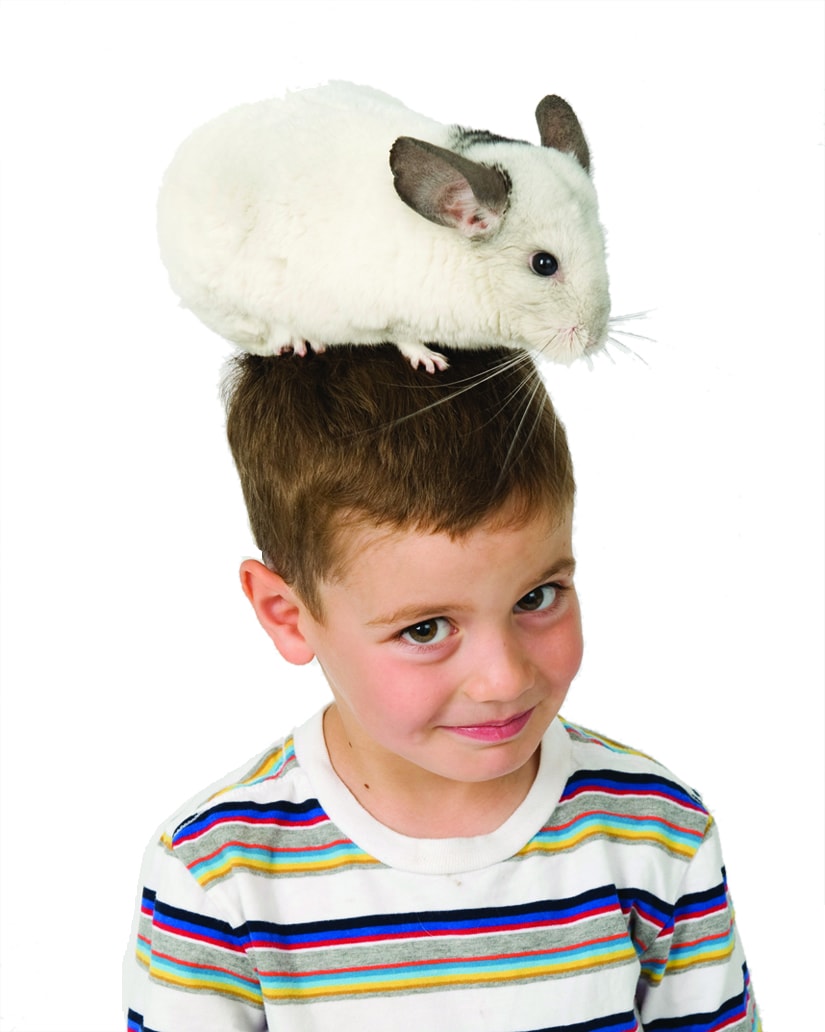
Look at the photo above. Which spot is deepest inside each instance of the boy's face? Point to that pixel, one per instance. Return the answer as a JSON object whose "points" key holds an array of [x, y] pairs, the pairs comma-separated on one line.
{"points": [[448, 659]]}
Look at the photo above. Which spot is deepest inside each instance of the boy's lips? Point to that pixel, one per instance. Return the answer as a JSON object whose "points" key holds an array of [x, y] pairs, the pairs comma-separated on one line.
{"points": [[494, 730]]}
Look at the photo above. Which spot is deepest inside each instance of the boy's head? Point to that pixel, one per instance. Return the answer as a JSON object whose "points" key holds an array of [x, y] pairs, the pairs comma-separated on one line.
{"points": [[329, 444], [417, 531]]}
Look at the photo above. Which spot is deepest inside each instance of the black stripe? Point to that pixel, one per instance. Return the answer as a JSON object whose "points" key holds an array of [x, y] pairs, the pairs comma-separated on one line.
{"points": [[623, 777], [281, 806], [697, 1022], [166, 910], [607, 893], [596, 1025]]}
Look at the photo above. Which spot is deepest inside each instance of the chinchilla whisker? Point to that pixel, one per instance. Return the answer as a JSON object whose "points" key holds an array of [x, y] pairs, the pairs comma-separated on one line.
{"points": [[518, 358], [630, 333], [616, 330], [626, 349], [514, 441], [462, 385], [516, 392], [627, 317]]}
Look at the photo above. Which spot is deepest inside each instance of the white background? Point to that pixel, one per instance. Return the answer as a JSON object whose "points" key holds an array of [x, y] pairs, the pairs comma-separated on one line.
{"points": [[133, 670]]}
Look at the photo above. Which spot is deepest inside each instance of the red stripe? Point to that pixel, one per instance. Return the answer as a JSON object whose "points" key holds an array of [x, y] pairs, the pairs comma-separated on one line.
{"points": [[687, 803], [696, 915], [629, 816], [269, 849], [205, 967], [251, 821], [182, 934], [443, 960], [704, 939]]}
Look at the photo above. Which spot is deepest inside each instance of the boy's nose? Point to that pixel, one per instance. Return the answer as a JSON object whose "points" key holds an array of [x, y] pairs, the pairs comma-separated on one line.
{"points": [[502, 673]]}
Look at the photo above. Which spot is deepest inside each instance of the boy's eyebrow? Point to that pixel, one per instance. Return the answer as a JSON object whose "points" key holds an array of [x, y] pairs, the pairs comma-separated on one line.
{"points": [[416, 611], [565, 565]]}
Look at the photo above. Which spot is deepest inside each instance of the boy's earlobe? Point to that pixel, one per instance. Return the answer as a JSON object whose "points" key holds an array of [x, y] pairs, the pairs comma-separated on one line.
{"points": [[278, 610]]}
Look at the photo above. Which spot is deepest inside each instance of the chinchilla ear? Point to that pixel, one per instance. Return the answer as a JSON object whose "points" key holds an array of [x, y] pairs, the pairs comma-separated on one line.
{"points": [[448, 189], [559, 128]]}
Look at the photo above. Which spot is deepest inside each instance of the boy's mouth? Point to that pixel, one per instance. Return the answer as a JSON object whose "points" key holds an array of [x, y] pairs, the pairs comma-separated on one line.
{"points": [[495, 730]]}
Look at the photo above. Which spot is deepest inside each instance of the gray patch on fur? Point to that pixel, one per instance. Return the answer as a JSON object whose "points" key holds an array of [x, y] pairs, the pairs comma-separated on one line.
{"points": [[462, 139]]}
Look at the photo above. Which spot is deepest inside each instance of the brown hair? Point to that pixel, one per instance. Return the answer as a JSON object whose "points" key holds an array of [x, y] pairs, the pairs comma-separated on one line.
{"points": [[355, 436]]}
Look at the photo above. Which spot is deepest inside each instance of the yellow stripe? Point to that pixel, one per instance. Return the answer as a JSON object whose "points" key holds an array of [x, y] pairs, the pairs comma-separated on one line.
{"points": [[262, 867], [202, 983], [708, 957], [270, 762], [612, 743], [606, 831]]}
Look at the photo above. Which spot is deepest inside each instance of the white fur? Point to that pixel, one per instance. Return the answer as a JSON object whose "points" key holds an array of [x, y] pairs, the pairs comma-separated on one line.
{"points": [[279, 224]]}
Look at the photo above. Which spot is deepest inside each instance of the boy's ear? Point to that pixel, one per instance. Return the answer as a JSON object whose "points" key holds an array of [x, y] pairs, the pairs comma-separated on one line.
{"points": [[278, 610]]}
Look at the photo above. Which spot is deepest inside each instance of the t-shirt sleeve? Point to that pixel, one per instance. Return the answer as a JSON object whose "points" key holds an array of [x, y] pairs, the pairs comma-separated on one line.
{"points": [[694, 974], [186, 968]]}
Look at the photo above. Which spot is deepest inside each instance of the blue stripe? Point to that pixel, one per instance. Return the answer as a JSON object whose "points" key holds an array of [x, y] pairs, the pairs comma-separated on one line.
{"points": [[197, 974], [686, 837], [193, 924], [547, 912], [737, 1007], [613, 1023], [700, 901], [446, 969], [280, 813], [628, 782]]}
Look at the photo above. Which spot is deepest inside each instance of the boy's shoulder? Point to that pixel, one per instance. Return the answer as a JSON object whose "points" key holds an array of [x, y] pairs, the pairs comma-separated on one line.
{"points": [[251, 789], [264, 818], [616, 792], [602, 761]]}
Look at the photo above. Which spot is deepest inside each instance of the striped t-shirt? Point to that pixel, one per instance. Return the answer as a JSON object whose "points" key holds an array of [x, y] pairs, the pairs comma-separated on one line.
{"points": [[277, 902]]}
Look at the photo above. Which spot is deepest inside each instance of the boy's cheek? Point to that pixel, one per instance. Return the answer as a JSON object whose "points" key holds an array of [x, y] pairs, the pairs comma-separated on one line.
{"points": [[571, 641]]}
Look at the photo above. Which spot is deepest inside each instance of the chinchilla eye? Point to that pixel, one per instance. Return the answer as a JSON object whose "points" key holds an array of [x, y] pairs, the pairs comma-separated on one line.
{"points": [[544, 264]]}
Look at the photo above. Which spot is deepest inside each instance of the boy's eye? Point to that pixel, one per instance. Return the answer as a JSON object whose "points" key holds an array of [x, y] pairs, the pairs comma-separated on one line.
{"points": [[428, 632], [538, 599]]}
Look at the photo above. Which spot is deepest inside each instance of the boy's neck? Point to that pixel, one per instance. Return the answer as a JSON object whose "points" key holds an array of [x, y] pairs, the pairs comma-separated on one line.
{"points": [[417, 802]]}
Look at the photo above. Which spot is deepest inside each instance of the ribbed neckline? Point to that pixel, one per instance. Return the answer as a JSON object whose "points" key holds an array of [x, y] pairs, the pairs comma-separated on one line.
{"points": [[442, 855]]}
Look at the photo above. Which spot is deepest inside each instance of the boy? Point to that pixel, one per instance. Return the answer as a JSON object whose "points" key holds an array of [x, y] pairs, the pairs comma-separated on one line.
{"points": [[437, 848]]}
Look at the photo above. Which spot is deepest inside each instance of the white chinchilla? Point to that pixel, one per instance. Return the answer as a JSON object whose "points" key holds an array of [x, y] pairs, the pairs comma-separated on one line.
{"points": [[336, 215]]}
